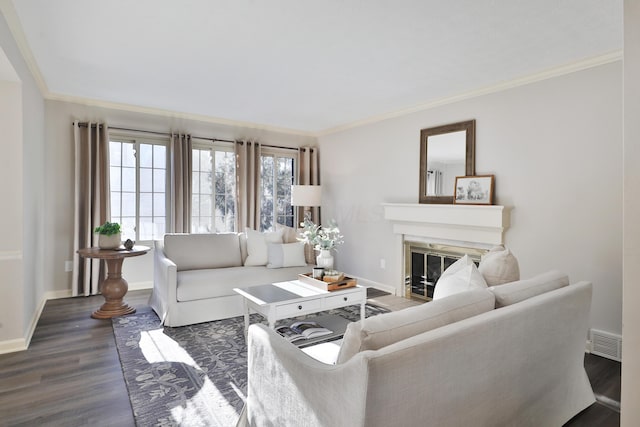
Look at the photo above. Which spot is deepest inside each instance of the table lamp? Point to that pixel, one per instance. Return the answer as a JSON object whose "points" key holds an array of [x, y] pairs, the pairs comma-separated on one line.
{"points": [[306, 196]]}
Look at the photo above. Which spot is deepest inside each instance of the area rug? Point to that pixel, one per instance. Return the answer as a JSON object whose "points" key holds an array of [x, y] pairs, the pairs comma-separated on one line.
{"points": [[192, 375]]}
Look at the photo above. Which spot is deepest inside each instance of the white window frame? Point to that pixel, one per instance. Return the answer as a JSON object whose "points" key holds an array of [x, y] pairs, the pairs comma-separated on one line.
{"points": [[137, 141], [213, 146], [279, 153]]}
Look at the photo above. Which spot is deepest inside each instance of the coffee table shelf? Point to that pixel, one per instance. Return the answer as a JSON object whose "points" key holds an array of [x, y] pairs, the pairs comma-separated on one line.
{"points": [[283, 300]]}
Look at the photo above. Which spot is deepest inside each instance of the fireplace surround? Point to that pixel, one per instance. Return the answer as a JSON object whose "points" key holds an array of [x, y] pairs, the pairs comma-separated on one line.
{"points": [[432, 237]]}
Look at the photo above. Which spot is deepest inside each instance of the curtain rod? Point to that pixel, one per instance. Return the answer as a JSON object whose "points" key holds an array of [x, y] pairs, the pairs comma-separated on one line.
{"points": [[84, 124]]}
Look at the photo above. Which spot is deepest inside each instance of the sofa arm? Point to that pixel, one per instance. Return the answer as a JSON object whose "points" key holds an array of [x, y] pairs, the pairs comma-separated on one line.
{"points": [[165, 282], [288, 387]]}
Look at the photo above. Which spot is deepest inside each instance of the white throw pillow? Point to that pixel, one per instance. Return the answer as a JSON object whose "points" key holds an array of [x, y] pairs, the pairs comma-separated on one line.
{"points": [[285, 255], [257, 253], [499, 266], [461, 276]]}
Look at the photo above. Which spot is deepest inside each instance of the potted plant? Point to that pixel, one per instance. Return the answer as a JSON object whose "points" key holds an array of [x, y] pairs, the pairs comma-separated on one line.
{"points": [[108, 235]]}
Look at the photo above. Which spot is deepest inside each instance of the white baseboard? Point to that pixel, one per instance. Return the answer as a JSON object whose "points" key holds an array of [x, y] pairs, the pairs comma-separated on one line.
{"points": [[136, 286], [370, 283], [11, 346], [21, 344]]}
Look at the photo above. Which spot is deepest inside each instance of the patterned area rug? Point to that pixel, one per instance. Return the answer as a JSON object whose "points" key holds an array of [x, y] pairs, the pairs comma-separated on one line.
{"points": [[192, 375]]}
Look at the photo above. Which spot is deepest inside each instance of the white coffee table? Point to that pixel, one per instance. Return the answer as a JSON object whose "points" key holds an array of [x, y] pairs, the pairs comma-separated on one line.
{"points": [[283, 300]]}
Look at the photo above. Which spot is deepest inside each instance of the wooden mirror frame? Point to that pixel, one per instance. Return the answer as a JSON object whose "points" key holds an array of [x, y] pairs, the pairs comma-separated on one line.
{"points": [[470, 156]]}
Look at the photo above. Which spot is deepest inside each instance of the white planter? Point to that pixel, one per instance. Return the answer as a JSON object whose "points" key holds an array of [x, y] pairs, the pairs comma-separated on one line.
{"points": [[325, 259], [109, 242]]}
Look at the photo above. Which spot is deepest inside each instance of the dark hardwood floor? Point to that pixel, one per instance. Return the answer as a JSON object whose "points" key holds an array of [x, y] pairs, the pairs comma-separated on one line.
{"points": [[71, 375]]}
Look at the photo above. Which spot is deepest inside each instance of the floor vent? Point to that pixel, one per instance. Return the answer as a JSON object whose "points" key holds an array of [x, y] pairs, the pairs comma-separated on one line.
{"points": [[606, 344]]}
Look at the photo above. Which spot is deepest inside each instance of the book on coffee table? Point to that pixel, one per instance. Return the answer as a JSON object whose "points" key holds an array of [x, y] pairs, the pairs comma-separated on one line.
{"points": [[303, 330]]}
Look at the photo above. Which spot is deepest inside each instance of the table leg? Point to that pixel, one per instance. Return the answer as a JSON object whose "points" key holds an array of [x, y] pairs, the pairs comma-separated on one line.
{"points": [[114, 288], [246, 316]]}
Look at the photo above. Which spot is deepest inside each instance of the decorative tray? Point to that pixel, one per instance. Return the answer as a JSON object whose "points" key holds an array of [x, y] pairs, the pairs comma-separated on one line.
{"points": [[346, 282]]}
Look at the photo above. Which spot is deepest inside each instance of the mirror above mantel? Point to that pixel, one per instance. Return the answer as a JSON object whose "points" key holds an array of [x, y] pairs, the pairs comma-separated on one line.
{"points": [[445, 152]]}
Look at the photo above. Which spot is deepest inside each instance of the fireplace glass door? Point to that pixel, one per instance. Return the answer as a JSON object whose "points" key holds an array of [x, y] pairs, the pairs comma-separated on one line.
{"points": [[425, 263]]}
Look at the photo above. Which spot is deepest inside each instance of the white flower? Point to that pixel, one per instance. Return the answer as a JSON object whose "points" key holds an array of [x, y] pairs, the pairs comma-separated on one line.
{"points": [[327, 237]]}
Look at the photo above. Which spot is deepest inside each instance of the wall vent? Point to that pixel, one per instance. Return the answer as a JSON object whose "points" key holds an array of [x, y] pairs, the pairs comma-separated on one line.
{"points": [[606, 344]]}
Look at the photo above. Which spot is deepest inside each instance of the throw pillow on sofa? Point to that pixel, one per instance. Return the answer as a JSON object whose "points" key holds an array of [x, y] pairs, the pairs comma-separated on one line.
{"points": [[203, 251], [290, 235], [281, 255], [499, 266], [385, 329], [461, 276], [257, 253]]}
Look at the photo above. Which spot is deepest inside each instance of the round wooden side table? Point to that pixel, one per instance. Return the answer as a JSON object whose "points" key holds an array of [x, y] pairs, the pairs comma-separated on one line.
{"points": [[114, 288]]}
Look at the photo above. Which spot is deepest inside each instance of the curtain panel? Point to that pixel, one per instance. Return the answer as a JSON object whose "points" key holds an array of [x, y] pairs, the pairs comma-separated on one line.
{"points": [[247, 185], [180, 164], [91, 204]]}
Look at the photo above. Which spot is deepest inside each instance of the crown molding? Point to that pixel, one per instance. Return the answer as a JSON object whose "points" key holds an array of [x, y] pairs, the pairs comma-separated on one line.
{"points": [[544, 75], [174, 114], [13, 21]]}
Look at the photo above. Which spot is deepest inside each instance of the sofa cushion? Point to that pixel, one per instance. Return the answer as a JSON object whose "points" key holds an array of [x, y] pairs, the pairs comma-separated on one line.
{"points": [[380, 331], [285, 255], [499, 266], [219, 282], [521, 290], [461, 276], [200, 251], [291, 235], [257, 246]]}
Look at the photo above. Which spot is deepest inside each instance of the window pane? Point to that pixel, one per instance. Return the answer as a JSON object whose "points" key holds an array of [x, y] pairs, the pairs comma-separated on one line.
{"points": [[128, 228], [146, 204], [205, 183], [195, 205], [146, 155], [159, 205], [160, 228], [115, 152], [114, 178], [128, 156], [128, 179], [159, 180], [205, 161], [146, 180], [195, 182], [129, 204], [146, 228], [205, 206], [115, 204], [159, 156]]}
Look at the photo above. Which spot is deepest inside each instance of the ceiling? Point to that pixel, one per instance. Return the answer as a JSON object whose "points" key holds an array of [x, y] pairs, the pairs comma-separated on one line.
{"points": [[305, 66]]}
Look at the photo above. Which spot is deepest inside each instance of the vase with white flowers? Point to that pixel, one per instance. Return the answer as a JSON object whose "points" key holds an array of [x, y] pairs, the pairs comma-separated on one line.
{"points": [[323, 239]]}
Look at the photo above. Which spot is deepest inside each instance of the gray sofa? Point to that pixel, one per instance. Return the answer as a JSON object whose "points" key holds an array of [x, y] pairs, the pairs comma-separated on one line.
{"points": [[510, 355], [194, 276]]}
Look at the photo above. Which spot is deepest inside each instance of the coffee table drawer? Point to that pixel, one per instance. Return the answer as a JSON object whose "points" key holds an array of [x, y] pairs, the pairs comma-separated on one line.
{"points": [[303, 307], [343, 300]]}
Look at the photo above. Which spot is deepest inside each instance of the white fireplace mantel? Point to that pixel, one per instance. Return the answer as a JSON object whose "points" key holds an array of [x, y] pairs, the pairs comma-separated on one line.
{"points": [[478, 224]]}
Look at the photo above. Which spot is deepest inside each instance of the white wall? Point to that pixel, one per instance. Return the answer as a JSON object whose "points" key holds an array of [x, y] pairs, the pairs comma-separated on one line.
{"points": [[137, 271], [25, 169], [11, 288], [555, 147], [631, 315]]}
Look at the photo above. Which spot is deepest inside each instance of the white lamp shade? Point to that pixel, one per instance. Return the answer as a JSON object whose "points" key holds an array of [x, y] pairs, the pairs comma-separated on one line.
{"points": [[306, 195]]}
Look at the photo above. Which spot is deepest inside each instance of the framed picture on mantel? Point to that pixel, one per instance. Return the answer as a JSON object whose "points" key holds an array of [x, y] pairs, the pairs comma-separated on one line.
{"points": [[474, 190]]}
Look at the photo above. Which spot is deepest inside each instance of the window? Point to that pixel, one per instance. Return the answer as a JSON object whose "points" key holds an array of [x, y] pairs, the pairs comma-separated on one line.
{"points": [[277, 174], [213, 189], [138, 179]]}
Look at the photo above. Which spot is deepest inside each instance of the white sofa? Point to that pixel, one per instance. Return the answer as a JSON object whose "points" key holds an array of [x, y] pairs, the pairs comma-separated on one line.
{"points": [[194, 274], [456, 361]]}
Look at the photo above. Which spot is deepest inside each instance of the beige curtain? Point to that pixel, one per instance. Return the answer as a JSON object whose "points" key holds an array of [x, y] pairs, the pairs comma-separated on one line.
{"points": [[247, 185], [92, 202], [180, 157], [309, 174]]}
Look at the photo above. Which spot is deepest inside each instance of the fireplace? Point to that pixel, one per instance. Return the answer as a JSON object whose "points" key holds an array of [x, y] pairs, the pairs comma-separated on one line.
{"points": [[425, 262], [432, 237]]}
